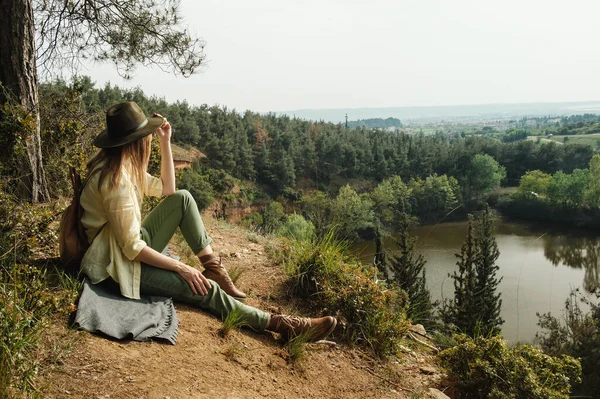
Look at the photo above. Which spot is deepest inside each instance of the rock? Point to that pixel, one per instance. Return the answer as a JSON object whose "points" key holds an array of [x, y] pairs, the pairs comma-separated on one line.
{"points": [[419, 329], [324, 342], [437, 394], [428, 370], [405, 349]]}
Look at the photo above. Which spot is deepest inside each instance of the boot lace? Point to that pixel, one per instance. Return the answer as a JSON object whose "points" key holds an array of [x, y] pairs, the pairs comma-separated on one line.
{"points": [[294, 323]]}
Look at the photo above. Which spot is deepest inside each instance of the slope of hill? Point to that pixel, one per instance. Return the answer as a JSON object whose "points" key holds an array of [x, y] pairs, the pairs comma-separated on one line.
{"points": [[244, 364]]}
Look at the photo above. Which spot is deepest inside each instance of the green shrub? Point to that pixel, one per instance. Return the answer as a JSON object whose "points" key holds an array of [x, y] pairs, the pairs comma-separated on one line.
{"points": [[488, 368], [28, 296], [199, 187], [272, 217], [253, 221], [333, 282], [19, 332], [297, 228], [221, 181], [576, 334]]}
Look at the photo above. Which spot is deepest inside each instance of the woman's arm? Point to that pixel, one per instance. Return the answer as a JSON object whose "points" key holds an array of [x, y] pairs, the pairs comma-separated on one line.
{"points": [[167, 168], [198, 283]]}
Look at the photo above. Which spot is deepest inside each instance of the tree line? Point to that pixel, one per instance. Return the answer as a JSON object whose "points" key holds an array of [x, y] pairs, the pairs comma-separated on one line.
{"points": [[278, 151]]}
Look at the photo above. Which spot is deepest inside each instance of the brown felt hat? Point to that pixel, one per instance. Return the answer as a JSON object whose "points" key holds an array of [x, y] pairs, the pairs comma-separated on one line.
{"points": [[126, 122]]}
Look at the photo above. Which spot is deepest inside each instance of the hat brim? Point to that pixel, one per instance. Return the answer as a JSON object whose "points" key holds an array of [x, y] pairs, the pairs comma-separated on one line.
{"points": [[103, 140]]}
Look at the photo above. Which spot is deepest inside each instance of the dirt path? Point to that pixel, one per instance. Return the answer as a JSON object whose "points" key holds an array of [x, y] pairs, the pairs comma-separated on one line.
{"points": [[243, 365]]}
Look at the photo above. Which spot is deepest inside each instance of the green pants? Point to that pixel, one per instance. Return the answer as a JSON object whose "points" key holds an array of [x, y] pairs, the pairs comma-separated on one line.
{"points": [[180, 210]]}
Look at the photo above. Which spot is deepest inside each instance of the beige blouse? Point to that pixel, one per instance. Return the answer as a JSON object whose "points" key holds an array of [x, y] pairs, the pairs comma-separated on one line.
{"points": [[112, 220]]}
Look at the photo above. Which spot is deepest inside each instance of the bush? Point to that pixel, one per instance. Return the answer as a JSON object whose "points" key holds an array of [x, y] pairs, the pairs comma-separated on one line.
{"points": [[272, 217], [253, 221], [333, 282], [28, 296], [488, 368], [199, 187], [578, 335], [297, 228]]}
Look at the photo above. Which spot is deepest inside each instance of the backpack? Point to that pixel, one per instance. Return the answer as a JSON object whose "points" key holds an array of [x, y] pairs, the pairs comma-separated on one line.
{"points": [[72, 237]]}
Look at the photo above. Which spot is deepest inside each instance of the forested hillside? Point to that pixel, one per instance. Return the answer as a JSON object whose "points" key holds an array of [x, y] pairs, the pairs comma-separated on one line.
{"points": [[279, 151]]}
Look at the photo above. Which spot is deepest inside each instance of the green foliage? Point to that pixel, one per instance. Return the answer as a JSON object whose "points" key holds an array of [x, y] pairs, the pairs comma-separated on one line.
{"points": [[28, 296], [273, 216], [435, 197], [592, 194], [576, 334], [406, 270], [297, 228], [234, 320], [16, 125], [486, 270], [488, 368], [460, 311], [534, 181], [475, 308], [279, 151], [329, 279], [375, 123], [25, 229], [253, 221], [568, 190], [485, 174], [296, 348], [316, 207], [351, 214], [391, 201], [67, 131], [514, 135], [199, 187], [19, 332]]}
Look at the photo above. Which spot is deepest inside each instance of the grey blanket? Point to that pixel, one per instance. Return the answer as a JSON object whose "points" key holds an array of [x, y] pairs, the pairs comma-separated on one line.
{"points": [[103, 310]]}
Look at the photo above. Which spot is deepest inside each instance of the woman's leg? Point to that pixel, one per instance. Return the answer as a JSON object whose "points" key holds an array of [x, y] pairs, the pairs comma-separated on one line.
{"points": [[177, 210], [155, 281], [180, 210]]}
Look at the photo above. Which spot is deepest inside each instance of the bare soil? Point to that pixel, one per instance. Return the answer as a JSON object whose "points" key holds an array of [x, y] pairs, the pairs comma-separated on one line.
{"points": [[244, 364]]}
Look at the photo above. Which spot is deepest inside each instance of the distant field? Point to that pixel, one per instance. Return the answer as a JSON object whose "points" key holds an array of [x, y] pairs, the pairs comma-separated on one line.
{"points": [[589, 139], [586, 139]]}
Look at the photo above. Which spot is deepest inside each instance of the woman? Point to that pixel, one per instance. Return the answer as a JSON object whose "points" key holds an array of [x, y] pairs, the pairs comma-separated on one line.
{"points": [[127, 249]]}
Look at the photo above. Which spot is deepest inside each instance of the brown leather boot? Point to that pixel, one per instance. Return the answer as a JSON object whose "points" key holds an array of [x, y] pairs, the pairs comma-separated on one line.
{"points": [[214, 270], [292, 326]]}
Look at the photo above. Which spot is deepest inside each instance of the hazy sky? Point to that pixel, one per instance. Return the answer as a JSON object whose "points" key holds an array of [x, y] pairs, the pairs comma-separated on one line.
{"points": [[284, 55]]}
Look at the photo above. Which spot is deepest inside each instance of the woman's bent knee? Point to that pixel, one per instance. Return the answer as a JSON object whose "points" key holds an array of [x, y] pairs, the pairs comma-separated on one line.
{"points": [[184, 195]]}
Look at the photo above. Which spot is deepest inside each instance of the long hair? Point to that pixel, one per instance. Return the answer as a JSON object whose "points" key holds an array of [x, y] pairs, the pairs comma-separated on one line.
{"points": [[134, 157]]}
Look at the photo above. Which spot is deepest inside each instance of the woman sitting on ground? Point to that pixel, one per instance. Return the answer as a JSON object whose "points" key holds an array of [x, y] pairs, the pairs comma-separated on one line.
{"points": [[126, 249]]}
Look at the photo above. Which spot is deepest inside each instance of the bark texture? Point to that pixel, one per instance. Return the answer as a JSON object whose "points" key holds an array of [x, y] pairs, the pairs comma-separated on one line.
{"points": [[18, 74]]}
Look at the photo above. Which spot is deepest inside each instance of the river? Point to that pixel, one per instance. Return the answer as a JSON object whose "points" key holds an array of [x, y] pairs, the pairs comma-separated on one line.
{"points": [[539, 267]]}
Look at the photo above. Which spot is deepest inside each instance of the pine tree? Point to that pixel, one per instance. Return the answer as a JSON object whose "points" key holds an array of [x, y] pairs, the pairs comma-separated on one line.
{"points": [[406, 269], [489, 301], [475, 308], [461, 311]]}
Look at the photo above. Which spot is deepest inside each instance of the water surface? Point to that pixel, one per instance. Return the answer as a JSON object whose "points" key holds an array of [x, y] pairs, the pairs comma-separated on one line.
{"points": [[539, 267]]}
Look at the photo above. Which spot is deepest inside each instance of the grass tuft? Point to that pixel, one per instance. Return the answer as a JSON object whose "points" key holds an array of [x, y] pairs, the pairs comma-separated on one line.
{"points": [[234, 351], [296, 348], [235, 272], [234, 320]]}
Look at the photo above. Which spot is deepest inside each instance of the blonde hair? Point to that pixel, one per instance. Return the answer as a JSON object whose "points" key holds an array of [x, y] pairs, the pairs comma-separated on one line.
{"points": [[134, 157]]}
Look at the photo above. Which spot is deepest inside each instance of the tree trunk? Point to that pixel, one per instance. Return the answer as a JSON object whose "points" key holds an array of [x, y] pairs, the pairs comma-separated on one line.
{"points": [[18, 74]]}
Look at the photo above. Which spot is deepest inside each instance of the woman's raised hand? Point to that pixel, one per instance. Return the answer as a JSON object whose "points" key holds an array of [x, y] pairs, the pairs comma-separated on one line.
{"points": [[198, 283], [164, 131]]}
